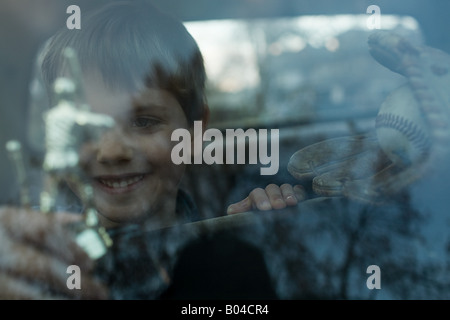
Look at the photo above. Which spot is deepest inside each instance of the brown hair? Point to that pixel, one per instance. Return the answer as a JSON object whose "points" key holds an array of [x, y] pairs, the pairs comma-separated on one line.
{"points": [[133, 43]]}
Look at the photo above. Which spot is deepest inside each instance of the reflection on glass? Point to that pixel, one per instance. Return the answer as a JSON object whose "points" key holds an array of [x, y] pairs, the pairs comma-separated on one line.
{"points": [[294, 69]]}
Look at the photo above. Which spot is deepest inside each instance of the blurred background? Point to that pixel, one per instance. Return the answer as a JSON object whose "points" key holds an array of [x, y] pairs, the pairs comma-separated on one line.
{"points": [[301, 66]]}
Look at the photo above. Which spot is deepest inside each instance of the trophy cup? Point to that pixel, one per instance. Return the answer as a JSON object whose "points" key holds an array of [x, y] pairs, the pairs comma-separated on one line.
{"points": [[68, 125]]}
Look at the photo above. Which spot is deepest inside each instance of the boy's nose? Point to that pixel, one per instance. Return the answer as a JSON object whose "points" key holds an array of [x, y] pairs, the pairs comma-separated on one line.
{"points": [[114, 146]]}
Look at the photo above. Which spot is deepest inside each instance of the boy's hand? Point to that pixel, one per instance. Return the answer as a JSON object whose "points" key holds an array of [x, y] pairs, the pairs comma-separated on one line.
{"points": [[35, 251], [272, 197]]}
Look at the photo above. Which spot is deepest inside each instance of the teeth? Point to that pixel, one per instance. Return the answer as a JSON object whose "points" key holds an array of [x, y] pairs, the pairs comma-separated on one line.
{"points": [[121, 183]]}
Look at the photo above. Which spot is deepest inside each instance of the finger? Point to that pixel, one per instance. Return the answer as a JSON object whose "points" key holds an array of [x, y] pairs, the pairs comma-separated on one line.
{"points": [[25, 262], [30, 263], [45, 231], [66, 218], [17, 289], [260, 199], [85, 287], [241, 206], [275, 196], [288, 194], [14, 288], [300, 193], [22, 222]]}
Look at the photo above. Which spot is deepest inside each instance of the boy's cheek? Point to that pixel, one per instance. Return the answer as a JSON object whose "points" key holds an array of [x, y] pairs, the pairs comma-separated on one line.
{"points": [[159, 143]]}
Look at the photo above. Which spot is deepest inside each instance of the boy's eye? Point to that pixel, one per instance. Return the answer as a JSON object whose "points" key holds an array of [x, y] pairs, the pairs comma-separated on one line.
{"points": [[144, 122]]}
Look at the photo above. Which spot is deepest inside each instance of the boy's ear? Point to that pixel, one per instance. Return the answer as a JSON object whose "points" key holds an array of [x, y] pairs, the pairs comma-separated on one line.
{"points": [[205, 118]]}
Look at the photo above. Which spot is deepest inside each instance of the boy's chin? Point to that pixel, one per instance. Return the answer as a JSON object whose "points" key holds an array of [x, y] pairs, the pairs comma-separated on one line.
{"points": [[116, 216], [122, 216]]}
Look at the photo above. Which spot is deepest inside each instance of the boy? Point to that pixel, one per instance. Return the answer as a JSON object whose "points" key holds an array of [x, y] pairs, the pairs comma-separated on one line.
{"points": [[143, 69]]}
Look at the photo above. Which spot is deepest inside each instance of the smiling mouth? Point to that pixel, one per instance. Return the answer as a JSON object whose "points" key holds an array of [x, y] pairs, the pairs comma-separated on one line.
{"points": [[123, 183]]}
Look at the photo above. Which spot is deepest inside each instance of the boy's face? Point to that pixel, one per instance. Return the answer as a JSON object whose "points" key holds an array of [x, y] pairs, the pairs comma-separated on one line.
{"points": [[130, 166]]}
